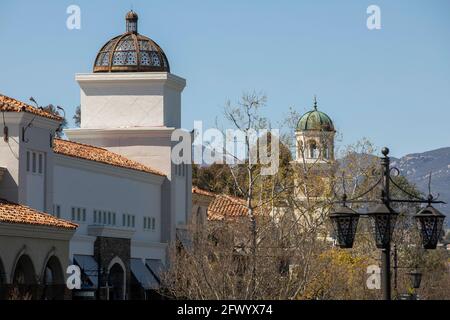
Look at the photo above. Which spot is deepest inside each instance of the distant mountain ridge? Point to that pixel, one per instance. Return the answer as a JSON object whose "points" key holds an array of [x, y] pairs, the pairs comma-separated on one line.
{"points": [[416, 167]]}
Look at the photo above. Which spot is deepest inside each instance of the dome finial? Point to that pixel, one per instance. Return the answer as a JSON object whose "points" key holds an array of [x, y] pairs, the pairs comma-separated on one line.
{"points": [[131, 21], [315, 102]]}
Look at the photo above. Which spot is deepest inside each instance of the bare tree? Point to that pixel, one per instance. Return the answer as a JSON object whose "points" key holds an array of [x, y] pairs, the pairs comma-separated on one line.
{"points": [[273, 241], [77, 116]]}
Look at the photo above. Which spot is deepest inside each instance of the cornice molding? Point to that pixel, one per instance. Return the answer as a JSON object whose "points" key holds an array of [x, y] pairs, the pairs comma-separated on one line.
{"points": [[35, 231], [163, 78], [102, 168]]}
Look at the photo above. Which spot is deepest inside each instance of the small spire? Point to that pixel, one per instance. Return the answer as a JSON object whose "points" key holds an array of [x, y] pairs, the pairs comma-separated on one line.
{"points": [[315, 102]]}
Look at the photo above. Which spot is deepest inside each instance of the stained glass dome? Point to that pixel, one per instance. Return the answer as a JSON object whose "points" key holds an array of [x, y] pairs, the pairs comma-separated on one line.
{"points": [[131, 52]]}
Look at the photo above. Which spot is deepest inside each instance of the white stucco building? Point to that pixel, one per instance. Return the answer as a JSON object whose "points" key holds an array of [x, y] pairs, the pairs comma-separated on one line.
{"points": [[113, 176]]}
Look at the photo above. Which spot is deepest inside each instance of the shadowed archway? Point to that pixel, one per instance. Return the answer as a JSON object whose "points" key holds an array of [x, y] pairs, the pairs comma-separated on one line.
{"points": [[53, 280], [117, 279], [24, 279]]}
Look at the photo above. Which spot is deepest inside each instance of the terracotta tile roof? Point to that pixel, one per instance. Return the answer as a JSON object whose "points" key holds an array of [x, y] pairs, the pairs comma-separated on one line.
{"points": [[202, 192], [227, 207], [8, 104], [92, 153], [16, 213]]}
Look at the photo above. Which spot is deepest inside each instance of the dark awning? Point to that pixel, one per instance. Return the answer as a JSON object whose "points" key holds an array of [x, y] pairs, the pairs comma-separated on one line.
{"points": [[143, 274], [89, 267], [157, 267]]}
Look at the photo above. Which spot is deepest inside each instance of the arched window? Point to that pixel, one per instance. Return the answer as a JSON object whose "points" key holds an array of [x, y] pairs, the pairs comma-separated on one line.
{"points": [[313, 152], [325, 152]]}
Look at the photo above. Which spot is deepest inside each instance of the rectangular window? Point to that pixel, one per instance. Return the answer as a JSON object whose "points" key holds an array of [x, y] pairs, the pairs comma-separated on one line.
{"points": [[79, 214], [34, 162], [40, 163], [57, 211], [109, 217], [123, 220], [95, 216], [153, 223], [104, 217], [28, 161], [132, 221], [114, 219]]}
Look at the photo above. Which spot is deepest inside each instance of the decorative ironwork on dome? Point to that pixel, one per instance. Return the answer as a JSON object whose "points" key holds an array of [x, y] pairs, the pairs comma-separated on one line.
{"points": [[131, 52]]}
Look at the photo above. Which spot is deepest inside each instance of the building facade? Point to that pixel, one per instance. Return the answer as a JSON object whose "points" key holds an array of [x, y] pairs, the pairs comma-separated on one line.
{"points": [[114, 176]]}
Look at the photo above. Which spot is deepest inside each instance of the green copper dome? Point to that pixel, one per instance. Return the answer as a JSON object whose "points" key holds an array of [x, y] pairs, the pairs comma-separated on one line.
{"points": [[315, 120]]}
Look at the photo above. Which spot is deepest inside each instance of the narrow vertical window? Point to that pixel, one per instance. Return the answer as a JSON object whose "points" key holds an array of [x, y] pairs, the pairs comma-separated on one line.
{"points": [[58, 211], [114, 219], [78, 214], [128, 220], [28, 161], [153, 223], [95, 216], [104, 217], [73, 214], [109, 217], [34, 162], [123, 220], [40, 163], [132, 221], [84, 215]]}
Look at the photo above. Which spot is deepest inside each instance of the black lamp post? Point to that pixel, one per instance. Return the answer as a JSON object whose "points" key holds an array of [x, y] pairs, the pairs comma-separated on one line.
{"points": [[345, 220]]}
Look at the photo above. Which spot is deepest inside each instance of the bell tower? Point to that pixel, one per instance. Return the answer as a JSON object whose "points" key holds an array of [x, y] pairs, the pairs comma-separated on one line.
{"points": [[315, 138], [314, 158]]}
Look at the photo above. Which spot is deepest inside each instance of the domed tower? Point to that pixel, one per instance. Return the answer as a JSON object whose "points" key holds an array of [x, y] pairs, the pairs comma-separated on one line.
{"points": [[315, 137], [131, 104], [131, 85], [314, 161], [131, 52]]}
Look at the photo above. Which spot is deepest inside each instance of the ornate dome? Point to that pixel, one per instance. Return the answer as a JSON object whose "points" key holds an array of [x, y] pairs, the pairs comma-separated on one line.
{"points": [[315, 120], [131, 52]]}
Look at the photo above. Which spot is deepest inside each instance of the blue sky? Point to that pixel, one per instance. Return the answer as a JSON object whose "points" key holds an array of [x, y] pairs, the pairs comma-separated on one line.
{"points": [[390, 85]]}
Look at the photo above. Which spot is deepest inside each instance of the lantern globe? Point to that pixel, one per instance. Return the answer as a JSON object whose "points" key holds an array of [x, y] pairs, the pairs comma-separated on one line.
{"points": [[416, 278], [345, 223], [430, 222], [383, 219]]}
